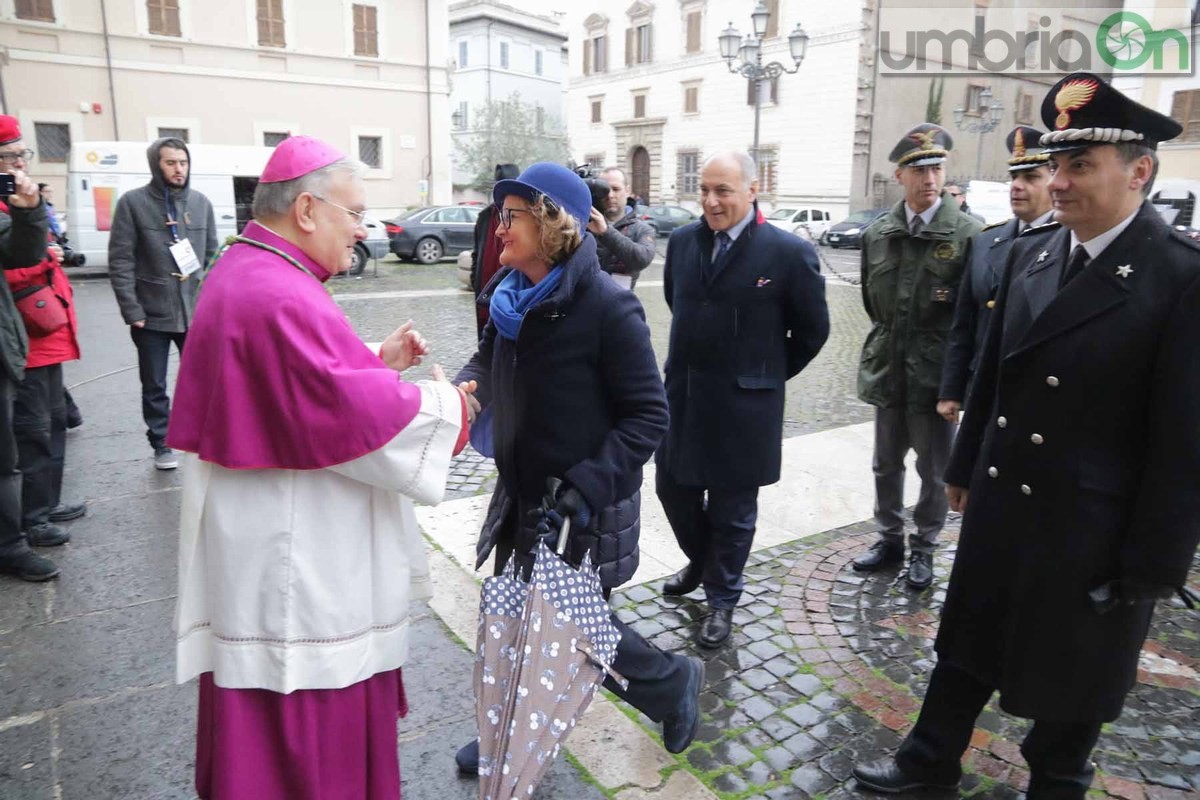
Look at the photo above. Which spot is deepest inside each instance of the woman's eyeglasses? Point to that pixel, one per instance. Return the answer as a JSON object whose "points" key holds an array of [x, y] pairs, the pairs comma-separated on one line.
{"points": [[360, 217], [506, 215]]}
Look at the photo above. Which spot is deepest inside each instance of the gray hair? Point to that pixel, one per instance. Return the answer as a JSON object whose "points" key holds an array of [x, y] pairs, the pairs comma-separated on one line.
{"points": [[274, 199], [1130, 152], [743, 159]]}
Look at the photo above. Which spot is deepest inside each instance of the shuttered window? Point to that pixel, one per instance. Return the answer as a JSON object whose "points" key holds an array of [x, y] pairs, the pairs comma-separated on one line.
{"points": [[693, 32], [1185, 109], [37, 10], [163, 17], [366, 31], [270, 23]]}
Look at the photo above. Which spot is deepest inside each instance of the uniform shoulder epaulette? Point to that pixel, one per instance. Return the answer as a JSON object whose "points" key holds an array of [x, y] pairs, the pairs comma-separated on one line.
{"points": [[1000, 224], [1043, 228], [1189, 236]]}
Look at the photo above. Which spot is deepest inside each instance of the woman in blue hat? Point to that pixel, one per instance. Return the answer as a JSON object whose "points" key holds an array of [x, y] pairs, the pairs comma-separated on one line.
{"points": [[571, 391]]}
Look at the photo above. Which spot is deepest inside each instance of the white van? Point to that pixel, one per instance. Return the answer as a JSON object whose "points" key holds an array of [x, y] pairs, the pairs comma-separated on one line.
{"points": [[100, 172]]}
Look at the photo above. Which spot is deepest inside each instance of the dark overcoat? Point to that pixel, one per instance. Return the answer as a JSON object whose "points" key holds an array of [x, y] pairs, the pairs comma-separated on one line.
{"points": [[973, 311], [577, 396], [734, 343], [1081, 448]]}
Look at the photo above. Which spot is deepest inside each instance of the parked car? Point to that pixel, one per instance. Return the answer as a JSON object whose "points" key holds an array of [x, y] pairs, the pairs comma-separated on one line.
{"points": [[665, 219], [848, 232], [376, 245], [428, 234], [789, 218]]}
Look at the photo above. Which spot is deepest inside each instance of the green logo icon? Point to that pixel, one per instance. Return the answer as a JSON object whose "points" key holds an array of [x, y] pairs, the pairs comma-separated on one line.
{"points": [[1126, 41]]}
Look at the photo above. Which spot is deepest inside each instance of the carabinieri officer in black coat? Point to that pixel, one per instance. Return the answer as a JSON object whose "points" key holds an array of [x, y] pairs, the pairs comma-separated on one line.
{"points": [[1029, 198], [1080, 447], [748, 313]]}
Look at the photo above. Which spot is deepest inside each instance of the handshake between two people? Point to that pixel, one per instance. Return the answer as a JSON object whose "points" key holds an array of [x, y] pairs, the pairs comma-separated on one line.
{"points": [[405, 347]]}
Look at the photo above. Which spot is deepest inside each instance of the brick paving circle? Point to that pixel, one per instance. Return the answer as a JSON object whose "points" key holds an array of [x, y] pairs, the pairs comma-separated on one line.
{"points": [[827, 667]]}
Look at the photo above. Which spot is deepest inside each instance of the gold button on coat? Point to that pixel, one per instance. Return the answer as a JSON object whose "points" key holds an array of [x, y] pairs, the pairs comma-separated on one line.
{"points": [[1025, 489], [1052, 381], [1002, 422], [1036, 438], [993, 472]]}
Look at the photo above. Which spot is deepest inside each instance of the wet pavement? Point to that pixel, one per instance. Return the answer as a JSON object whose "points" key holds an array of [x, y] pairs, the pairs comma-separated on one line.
{"points": [[825, 666]]}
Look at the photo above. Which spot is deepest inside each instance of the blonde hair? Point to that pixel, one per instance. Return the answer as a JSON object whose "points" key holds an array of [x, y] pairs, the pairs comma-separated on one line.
{"points": [[559, 235]]}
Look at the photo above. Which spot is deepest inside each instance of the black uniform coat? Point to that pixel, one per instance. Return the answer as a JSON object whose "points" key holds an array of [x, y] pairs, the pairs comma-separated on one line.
{"points": [[577, 396], [980, 283], [1081, 447], [734, 343]]}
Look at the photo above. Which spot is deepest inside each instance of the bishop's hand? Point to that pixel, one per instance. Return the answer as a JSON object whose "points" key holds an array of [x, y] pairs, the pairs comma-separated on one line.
{"points": [[403, 348]]}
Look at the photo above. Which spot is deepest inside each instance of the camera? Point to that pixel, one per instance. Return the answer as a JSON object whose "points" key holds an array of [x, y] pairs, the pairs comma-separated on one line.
{"points": [[597, 186], [8, 184], [70, 257]]}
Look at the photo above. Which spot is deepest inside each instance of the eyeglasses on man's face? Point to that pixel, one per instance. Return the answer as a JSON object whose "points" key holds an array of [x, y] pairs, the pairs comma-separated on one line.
{"points": [[359, 217], [15, 156]]}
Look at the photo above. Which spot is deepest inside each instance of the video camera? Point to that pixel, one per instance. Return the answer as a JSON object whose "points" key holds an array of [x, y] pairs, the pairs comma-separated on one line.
{"points": [[597, 186]]}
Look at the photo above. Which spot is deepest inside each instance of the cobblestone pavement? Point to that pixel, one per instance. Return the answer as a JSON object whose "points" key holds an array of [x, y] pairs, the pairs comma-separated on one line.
{"points": [[827, 666]]}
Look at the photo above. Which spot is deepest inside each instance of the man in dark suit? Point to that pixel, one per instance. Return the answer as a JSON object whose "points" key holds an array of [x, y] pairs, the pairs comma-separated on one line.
{"points": [[748, 305], [1078, 453], [1029, 197]]}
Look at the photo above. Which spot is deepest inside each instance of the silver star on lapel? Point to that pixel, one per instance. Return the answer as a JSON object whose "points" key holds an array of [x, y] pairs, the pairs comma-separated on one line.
{"points": [[1125, 271], [1043, 256]]}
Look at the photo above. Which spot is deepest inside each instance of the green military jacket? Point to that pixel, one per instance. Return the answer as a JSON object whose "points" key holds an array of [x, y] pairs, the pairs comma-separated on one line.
{"points": [[909, 287]]}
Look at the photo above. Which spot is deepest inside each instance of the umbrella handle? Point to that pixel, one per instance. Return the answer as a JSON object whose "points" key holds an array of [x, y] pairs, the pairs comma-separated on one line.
{"points": [[563, 535]]}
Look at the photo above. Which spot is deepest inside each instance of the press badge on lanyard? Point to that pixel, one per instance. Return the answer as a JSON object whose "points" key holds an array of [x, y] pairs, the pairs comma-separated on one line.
{"points": [[181, 250]]}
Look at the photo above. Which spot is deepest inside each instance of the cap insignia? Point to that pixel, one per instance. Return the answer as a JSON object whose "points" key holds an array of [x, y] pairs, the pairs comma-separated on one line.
{"points": [[924, 139], [1019, 144], [1072, 96]]}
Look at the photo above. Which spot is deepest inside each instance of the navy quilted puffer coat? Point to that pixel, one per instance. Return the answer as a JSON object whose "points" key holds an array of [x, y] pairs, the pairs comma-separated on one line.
{"points": [[577, 396]]}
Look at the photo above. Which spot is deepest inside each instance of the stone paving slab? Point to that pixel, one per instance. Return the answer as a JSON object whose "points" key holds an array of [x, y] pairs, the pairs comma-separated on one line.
{"points": [[827, 666]]}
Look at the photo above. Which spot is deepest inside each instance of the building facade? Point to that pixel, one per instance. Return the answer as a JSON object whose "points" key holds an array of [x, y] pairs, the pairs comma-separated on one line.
{"points": [[368, 75], [499, 52], [649, 92]]}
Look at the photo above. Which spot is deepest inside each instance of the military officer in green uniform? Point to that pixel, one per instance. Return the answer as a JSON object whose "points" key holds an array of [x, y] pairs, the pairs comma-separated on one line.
{"points": [[912, 263]]}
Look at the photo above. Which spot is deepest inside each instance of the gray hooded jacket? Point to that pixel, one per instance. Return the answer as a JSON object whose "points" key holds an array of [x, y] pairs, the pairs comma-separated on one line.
{"points": [[140, 266]]}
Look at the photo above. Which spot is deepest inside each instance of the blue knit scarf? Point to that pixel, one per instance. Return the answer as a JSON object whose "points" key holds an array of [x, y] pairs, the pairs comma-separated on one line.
{"points": [[516, 295]]}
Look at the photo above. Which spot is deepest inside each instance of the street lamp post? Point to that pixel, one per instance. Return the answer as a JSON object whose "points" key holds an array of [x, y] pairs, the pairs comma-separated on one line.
{"points": [[986, 124], [748, 53]]}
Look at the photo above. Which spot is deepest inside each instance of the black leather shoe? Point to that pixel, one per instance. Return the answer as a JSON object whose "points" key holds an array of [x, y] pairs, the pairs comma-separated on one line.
{"points": [[885, 776], [680, 728], [715, 628], [467, 758], [920, 570], [684, 581], [882, 554], [67, 511], [29, 566], [47, 535]]}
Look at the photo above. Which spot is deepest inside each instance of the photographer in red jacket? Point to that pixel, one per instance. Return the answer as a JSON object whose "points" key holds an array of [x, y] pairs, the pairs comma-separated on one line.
{"points": [[39, 411]]}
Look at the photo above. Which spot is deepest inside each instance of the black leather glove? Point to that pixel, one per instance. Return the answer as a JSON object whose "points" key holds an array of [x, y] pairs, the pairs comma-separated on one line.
{"points": [[1127, 592]]}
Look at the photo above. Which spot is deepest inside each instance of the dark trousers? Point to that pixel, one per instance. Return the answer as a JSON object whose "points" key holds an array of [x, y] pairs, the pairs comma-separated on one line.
{"points": [[714, 529], [40, 424], [657, 680], [153, 349], [1058, 753], [12, 540], [897, 430]]}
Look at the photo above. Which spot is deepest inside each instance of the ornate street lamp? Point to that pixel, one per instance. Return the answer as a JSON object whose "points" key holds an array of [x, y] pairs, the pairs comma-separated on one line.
{"points": [[747, 53], [991, 113]]}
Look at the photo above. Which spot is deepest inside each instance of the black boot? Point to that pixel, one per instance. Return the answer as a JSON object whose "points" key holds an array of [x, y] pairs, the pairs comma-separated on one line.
{"points": [[467, 758], [684, 581], [920, 570], [716, 627]]}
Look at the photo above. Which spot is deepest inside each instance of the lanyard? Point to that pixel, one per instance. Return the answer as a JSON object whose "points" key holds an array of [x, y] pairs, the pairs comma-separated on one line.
{"points": [[172, 223], [232, 240]]}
